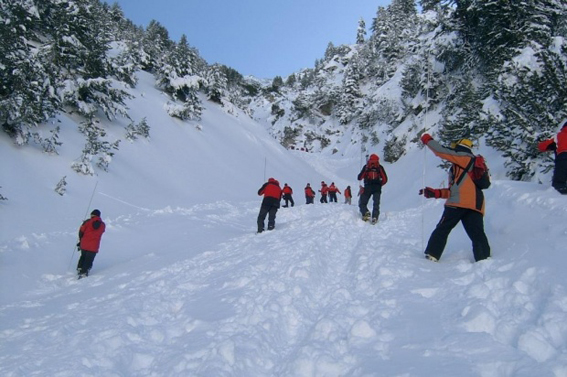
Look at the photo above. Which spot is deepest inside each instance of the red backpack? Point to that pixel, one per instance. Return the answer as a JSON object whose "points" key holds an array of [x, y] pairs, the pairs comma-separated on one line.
{"points": [[478, 171], [373, 171]]}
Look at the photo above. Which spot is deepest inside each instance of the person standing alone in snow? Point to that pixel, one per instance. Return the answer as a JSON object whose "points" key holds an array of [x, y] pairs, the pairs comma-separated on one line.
{"points": [[270, 204], [465, 201], [90, 234], [559, 147], [287, 192], [374, 177]]}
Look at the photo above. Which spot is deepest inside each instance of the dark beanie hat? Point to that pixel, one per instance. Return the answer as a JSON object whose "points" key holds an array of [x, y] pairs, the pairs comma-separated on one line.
{"points": [[95, 212]]}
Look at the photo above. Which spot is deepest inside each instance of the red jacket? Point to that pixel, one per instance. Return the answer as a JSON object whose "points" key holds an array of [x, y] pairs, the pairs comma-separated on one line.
{"points": [[559, 144], [348, 194], [90, 234], [272, 193], [333, 188], [309, 192], [287, 190]]}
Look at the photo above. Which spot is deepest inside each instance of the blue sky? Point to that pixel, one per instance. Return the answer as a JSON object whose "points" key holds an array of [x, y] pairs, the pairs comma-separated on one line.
{"points": [[264, 38]]}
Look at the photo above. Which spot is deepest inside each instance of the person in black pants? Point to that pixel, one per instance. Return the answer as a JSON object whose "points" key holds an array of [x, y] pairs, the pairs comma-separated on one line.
{"points": [[374, 177], [272, 196]]}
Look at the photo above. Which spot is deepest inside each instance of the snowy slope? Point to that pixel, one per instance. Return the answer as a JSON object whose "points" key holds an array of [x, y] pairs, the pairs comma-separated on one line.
{"points": [[183, 287]]}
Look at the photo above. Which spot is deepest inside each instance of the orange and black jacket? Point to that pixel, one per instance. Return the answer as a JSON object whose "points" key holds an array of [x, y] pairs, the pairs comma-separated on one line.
{"points": [[462, 191], [90, 234], [272, 193], [348, 193]]}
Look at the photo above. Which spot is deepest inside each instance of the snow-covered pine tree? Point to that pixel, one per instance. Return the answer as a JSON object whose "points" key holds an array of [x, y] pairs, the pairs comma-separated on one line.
{"points": [[61, 187], [531, 87], [133, 131], [462, 112], [217, 83], [27, 91], [361, 32], [178, 77], [348, 103], [156, 46], [94, 146]]}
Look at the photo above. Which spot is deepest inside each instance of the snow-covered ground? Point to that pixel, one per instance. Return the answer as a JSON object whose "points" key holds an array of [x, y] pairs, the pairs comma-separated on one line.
{"points": [[184, 287]]}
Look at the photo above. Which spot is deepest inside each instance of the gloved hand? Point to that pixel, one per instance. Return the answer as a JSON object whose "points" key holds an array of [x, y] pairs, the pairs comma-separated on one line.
{"points": [[429, 192], [78, 246], [426, 138], [547, 146]]}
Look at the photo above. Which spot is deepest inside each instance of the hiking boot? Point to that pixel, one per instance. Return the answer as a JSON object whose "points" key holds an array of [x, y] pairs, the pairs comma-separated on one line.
{"points": [[431, 258], [374, 220], [366, 216]]}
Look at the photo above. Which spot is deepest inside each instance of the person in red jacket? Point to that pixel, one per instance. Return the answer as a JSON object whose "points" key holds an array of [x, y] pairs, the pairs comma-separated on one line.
{"points": [[374, 177], [309, 194], [324, 191], [348, 195], [559, 146], [287, 192], [270, 204], [90, 234], [464, 201], [333, 191]]}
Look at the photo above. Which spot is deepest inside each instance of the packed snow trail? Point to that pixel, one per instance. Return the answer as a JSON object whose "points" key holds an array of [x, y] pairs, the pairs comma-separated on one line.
{"points": [[325, 294]]}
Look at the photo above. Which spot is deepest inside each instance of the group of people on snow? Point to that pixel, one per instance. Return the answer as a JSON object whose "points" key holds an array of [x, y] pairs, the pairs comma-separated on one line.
{"points": [[464, 203], [464, 198]]}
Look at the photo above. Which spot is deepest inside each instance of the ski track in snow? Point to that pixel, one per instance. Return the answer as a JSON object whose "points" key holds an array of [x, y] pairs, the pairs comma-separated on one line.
{"points": [[323, 295]]}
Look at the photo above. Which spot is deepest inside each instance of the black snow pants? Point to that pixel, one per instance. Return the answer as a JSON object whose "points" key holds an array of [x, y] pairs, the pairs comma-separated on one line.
{"points": [[473, 222], [85, 261], [559, 181], [270, 211], [374, 191]]}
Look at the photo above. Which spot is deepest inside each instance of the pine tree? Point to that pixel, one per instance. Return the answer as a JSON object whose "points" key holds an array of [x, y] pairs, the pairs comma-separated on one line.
{"points": [[361, 32], [462, 113], [217, 83], [27, 90], [61, 187], [177, 77], [348, 103]]}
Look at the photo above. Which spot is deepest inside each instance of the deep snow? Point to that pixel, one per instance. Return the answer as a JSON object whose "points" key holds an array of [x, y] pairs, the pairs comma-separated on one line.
{"points": [[184, 287]]}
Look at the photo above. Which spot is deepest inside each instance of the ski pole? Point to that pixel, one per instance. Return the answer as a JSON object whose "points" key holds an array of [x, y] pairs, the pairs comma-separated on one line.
{"points": [[425, 154], [86, 214]]}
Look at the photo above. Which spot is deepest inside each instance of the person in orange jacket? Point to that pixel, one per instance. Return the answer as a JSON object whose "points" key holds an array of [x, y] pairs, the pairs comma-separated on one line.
{"points": [[348, 195], [333, 191], [324, 191], [374, 177], [90, 234], [465, 201], [309, 194], [270, 204], [559, 146], [287, 192]]}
